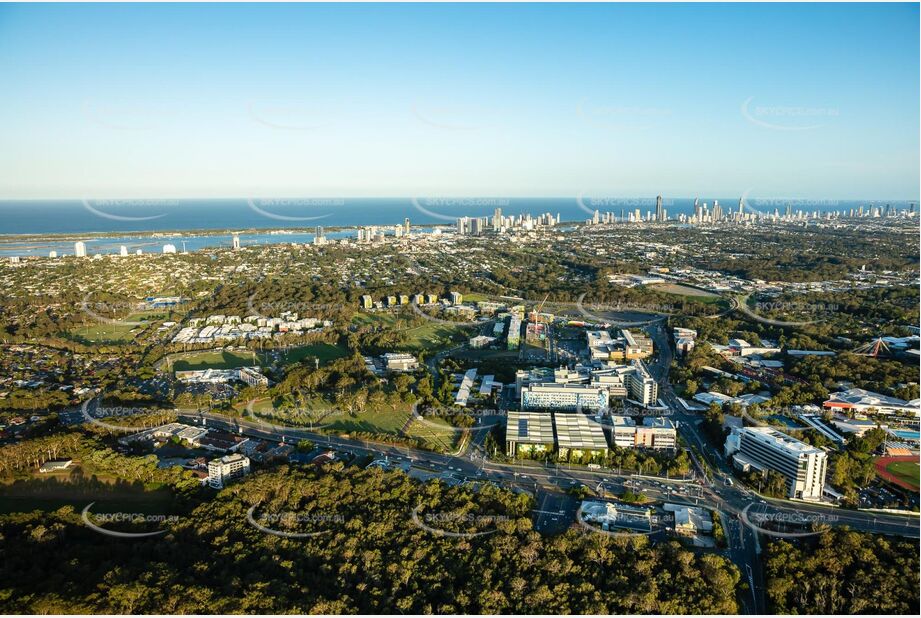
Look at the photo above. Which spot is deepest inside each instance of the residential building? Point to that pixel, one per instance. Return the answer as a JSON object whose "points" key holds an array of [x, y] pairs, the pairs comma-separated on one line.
{"points": [[765, 448], [80, 248], [466, 385], [251, 376], [227, 468], [514, 332]]}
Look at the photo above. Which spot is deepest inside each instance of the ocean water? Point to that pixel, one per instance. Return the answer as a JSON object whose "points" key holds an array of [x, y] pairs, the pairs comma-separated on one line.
{"points": [[267, 218]]}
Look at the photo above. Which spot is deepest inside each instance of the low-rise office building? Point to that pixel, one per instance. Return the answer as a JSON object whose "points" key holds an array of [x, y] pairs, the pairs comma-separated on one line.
{"points": [[578, 435], [857, 401], [655, 433], [398, 363], [528, 433]]}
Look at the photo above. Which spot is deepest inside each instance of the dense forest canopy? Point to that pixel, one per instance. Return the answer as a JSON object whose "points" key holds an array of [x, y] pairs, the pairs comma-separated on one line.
{"points": [[374, 559], [843, 572]]}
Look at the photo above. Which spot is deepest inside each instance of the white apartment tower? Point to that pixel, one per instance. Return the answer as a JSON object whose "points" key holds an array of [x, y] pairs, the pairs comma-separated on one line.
{"points": [[227, 468]]}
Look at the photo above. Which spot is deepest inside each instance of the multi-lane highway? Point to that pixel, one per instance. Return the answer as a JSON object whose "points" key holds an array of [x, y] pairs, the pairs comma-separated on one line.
{"points": [[741, 509]]}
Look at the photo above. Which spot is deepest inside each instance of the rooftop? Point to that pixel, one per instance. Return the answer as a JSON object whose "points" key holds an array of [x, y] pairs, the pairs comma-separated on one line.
{"points": [[577, 431], [529, 427]]}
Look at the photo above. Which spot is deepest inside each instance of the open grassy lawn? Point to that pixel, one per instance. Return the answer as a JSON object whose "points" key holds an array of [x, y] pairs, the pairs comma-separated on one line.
{"points": [[907, 471], [327, 416], [685, 290], [431, 335], [437, 433], [428, 336], [52, 491], [363, 318], [121, 331], [231, 359], [224, 359], [323, 351]]}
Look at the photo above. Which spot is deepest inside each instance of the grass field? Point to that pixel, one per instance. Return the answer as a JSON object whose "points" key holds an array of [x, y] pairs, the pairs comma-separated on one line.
{"points": [[121, 331], [684, 290], [231, 359], [323, 351], [224, 359], [900, 470], [906, 471], [428, 336], [383, 420]]}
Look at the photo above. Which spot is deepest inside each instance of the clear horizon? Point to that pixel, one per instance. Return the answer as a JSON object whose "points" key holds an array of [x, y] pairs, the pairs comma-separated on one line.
{"points": [[383, 101]]}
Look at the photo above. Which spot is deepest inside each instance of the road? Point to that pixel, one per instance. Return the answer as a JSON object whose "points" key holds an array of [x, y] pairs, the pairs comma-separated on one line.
{"points": [[549, 483], [563, 476]]}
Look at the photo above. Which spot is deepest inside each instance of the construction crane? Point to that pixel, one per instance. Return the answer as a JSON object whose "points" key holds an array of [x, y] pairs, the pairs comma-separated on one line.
{"points": [[874, 348], [535, 315]]}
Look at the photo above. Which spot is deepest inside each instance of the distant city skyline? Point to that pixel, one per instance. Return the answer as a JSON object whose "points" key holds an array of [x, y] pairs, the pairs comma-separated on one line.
{"points": [[229, 101]]}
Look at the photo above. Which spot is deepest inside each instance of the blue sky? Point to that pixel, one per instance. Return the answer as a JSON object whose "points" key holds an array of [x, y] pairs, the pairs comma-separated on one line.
{"points": [[812, 101]]}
